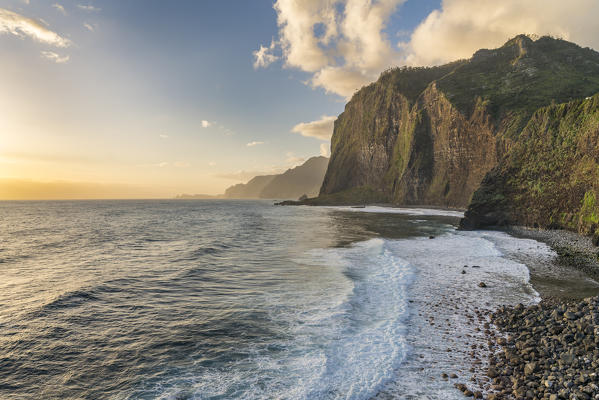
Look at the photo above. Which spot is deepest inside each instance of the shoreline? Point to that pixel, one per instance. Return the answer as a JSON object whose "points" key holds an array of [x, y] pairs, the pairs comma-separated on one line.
{"points": [[549, 350]]}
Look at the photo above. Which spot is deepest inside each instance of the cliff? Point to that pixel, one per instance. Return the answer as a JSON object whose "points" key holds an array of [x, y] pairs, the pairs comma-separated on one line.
{"points": [[549, 178], [428, 136], [305, 179]]}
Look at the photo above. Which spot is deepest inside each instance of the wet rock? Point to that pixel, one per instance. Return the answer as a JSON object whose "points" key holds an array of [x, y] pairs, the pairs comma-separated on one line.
{"points": [[482, 285]]}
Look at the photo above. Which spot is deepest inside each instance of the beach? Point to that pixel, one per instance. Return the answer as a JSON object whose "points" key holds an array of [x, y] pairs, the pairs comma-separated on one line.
{"points": [[547, 350]]}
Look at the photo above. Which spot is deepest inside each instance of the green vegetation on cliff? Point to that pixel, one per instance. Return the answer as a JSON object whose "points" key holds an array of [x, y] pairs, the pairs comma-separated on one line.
{"points": [[550, 175], [428, 136]]}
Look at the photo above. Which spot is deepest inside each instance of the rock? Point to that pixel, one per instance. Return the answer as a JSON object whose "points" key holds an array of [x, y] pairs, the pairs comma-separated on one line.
{"points": [[567, 358], [548, 351], [529, 368], [569, 315], [482, 284], [463, 272]]}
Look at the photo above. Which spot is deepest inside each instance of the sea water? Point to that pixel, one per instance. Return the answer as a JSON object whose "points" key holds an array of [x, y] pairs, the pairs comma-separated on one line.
{"points": [[244, 300]]}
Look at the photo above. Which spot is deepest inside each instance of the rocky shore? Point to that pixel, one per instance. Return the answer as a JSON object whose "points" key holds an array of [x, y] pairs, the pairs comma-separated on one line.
{"points": [[545, 351], [573, 250], [549, 350]]}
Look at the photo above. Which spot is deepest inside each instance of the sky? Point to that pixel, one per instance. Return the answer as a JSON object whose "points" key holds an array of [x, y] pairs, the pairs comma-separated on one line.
{"points": [[153, 98]]}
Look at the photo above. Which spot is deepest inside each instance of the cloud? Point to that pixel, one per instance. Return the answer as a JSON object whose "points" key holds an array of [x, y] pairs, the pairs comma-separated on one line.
{"points": [[451, 33], [252, 144], [263, 57], [19, 25], [343, 44], [321, 129], [89, 27], [88, 7], [50, 55], [60, 8], [325, 149], [206, 124], [181, 164], [212, 164], [163, 136]]}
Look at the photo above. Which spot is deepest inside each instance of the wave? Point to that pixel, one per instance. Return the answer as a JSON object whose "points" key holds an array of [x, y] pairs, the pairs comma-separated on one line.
{"points": [[404, 211], [341, 337], [71, 299]]}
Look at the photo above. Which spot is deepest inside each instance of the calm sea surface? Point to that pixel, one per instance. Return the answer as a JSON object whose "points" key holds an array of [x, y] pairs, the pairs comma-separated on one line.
{"points": [[226, 299]]}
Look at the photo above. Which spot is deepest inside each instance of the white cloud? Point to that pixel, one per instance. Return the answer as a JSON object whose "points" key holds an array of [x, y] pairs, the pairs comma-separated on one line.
{"points": [[162, 164], [60, 8], [50, 55], [321, 129], [206, 124], [263, 57], [88, 7], [252, 144], [19, 25], [325, 149], [163, 136], [452, 32], [212, 164], [89, 27], [342, 43]]}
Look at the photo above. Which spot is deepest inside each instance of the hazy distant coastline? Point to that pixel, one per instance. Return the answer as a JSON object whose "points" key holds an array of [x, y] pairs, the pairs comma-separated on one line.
{"points": [[294, 183]]}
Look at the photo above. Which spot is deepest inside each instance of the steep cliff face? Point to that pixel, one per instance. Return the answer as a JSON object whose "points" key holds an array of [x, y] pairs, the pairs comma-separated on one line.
{"points": [[550, 175], [429, 135]]}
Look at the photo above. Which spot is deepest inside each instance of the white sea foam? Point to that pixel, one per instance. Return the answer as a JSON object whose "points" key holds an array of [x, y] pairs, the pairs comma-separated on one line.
{"points": [[402, 210], [389, 317], [444, 325]]}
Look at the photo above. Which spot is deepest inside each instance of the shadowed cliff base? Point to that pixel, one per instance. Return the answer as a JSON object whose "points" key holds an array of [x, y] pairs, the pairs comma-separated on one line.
{"points": [[350, 197]]}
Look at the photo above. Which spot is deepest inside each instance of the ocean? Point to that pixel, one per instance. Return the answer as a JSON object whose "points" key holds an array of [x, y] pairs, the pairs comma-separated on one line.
{"points": [[217, 299]]}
